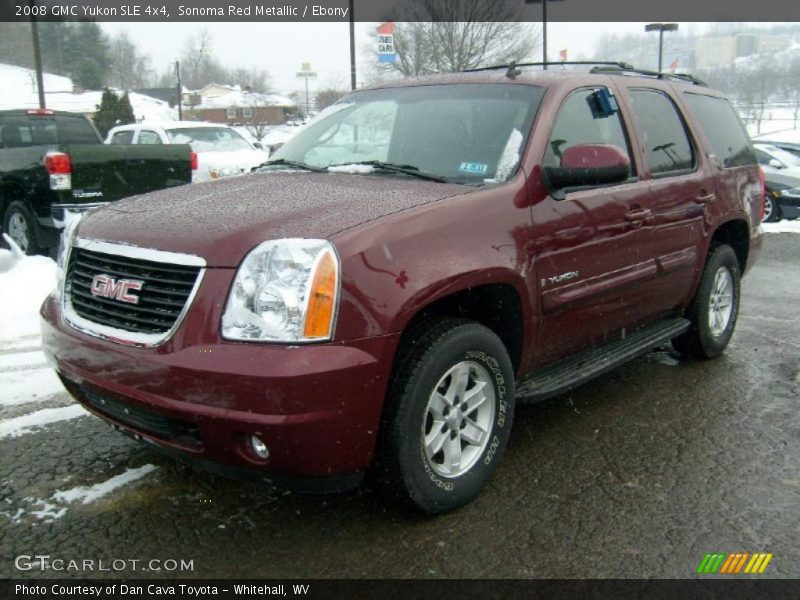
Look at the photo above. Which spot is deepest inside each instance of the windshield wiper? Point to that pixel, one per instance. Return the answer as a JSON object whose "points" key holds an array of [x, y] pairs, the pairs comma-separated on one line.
{"points": [[395, 168], [288, 163]]}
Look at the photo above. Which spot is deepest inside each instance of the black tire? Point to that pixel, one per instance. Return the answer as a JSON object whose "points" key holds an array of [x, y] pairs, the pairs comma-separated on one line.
{"points": [[701, 340], [423, 362], [772, 210], [28, 241]]}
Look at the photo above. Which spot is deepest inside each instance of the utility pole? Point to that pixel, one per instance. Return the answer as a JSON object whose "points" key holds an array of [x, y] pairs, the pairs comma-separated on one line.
{"points": [[180, 89], [352, 47], [37, 56], [661, 28]]}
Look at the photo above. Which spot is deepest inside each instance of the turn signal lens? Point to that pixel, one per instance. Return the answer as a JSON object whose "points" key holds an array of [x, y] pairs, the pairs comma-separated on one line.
{"points": [[322, 298]]}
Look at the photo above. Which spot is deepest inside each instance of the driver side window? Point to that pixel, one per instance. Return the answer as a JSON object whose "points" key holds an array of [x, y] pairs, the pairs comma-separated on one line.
{"points": [[584, 118]]}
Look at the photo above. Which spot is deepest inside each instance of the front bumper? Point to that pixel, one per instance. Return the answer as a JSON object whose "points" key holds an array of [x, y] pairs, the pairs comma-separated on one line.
{"points": [[317, 407]]}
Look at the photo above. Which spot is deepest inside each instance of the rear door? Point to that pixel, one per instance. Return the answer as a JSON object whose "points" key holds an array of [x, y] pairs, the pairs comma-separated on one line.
{"points": [[593, 260], [681, 189]]}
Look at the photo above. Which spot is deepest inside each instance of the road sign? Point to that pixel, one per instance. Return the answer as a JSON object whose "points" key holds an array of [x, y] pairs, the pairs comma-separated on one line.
{"points": [[386, 53]]}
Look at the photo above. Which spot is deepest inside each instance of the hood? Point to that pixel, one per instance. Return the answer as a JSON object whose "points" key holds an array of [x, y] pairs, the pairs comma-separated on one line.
{"points": [[222, 220]]}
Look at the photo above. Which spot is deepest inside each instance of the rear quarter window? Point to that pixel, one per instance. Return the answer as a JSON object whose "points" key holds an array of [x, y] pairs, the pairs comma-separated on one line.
{"points": [[723, 129], [667, 146]]}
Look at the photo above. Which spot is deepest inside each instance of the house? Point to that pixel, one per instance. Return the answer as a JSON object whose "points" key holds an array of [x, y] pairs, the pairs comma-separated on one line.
{"points": [[233, 106]]}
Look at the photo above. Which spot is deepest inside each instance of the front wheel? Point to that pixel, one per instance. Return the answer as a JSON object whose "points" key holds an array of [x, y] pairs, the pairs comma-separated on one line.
{"points": [[451, 405], [715, 307]]}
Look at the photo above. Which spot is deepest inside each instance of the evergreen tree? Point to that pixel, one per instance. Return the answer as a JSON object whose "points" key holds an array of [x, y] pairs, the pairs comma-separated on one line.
{"points": [[91, 66], [113, 111]]}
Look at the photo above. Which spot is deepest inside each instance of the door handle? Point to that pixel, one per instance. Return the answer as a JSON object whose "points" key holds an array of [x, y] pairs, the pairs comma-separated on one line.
{"points": [[638, 214], [705, 198]]}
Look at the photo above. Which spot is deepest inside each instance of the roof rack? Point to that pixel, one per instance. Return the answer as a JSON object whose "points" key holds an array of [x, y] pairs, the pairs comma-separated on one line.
{"points": [[629, 70], [620, 65], [598, 67]]}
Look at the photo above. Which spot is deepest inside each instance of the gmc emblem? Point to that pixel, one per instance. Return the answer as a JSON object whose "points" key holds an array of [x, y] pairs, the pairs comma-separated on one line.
{"points": [[104, 286]]}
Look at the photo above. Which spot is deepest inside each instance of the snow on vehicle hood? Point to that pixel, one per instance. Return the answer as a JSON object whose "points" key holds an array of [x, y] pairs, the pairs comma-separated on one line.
{"points": [[218, 165], [222, 220]]}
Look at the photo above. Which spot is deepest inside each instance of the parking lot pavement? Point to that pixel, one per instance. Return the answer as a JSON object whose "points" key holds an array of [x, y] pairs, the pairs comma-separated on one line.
{"points": [[638, 474]]}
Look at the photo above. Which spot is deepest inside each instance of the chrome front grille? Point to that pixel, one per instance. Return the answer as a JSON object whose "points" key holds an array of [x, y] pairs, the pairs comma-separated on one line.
{"points": [[128, 294]]}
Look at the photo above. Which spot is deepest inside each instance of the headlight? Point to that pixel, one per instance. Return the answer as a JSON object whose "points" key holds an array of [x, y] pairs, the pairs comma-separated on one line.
{"points": [[792, 192], [284, 291], [64, 246]]}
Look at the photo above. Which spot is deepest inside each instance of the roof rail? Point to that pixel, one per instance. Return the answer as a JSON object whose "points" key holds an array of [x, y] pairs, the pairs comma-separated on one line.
{"points": [[599, 67], [513, 65], [628, 70]]}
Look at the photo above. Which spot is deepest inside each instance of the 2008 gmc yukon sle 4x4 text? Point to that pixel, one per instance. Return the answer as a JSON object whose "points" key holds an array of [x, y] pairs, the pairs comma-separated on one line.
{"points": [[411, 264]]}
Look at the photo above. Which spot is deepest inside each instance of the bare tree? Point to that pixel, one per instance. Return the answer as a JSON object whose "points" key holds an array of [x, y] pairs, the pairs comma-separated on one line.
{"points": [[252, 79], [199, 67], [453, 35], [130, 69], [329, 95]]}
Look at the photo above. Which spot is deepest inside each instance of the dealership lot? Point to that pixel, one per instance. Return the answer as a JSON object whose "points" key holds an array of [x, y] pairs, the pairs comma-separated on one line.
{"points": [[638, 474]]}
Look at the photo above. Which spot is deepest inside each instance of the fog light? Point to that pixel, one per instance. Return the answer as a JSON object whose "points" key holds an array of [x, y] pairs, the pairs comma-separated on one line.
{"points": [[259, 447]]}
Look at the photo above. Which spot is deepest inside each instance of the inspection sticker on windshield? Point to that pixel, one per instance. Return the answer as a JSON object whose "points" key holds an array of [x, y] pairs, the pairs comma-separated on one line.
{"points": [[473, 168]]}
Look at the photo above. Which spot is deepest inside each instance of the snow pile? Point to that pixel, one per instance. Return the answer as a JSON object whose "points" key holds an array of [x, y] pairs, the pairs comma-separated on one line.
{"points": [[782, 227], [86, 495], [18, 90], [789, 136], [23, 288]]}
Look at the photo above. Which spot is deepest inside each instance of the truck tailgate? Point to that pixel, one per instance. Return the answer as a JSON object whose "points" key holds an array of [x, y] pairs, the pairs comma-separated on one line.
{"points": [[102, 173]]}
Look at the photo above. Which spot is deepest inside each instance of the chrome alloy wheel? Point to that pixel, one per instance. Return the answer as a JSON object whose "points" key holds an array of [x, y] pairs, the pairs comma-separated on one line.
{"points": [[459, 419], [720, 302], [18, 231]]}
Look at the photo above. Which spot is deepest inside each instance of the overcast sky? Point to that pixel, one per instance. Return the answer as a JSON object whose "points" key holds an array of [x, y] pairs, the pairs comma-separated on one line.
{"points": [[282, 47]]}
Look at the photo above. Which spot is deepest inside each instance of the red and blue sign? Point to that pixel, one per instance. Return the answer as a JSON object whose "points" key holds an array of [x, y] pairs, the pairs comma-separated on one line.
{"points": [[386, 53]]}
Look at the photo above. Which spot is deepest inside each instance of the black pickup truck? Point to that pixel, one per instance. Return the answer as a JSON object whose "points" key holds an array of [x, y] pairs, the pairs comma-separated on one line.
{"points": [[54, 164]]}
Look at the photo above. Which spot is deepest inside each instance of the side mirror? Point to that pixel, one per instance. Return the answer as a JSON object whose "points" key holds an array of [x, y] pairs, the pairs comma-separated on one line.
{"points": [[586, 165], [275, 147], [258, 146], [775, 163]]}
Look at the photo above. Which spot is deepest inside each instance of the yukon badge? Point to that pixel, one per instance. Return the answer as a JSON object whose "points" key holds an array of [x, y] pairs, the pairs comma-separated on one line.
{"points": [[568, 276], [104, 286]]}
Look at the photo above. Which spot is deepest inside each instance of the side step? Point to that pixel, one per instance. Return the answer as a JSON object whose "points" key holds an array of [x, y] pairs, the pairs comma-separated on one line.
{"points": [[574, 371]]}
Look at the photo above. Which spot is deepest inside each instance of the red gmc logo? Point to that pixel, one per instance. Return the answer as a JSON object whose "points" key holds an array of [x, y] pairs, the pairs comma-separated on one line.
{"points": [[108, 287]]}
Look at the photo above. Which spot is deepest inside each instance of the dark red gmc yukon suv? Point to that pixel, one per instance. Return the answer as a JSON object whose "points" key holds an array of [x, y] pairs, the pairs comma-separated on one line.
{"points": [[419, 258]]}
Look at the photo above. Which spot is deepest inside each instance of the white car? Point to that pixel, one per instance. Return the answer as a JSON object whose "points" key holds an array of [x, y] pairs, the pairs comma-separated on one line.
{"points": [[220, 150]]}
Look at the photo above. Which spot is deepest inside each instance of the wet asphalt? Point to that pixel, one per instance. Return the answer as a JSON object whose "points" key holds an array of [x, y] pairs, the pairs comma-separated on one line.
{"points": [[637, 474]]}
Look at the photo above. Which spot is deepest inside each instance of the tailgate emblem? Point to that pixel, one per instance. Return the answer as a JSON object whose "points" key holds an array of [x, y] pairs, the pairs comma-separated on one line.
{"points": [[105, 286]]}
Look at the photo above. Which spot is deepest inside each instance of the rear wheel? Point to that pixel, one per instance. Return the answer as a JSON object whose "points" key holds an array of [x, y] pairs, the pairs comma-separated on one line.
{"points": [[449, 414], [772, 212], [715, 307], [20, 227]]}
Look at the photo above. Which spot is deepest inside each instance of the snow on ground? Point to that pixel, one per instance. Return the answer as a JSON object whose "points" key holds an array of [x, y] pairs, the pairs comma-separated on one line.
{"points": [[23, 289], [27, 423], [85, 495], [782, 227], [18, 90]]}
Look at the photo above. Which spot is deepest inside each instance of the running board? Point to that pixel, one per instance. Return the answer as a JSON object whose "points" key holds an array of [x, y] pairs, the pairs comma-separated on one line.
{"points": [[574, 371]]}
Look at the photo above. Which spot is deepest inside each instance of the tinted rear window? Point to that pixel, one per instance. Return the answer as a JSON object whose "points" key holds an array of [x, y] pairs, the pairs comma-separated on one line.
{"points": [[21, 130], [723, 129], [668, 148]]}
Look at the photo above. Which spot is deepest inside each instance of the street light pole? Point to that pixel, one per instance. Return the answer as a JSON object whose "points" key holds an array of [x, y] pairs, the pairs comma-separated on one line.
{"points": [[661, 28], [544, 27], [180, 90]]}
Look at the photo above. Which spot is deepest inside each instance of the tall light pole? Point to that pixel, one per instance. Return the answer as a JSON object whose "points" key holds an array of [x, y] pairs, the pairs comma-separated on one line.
{"points": [[661, 28], [179, 88], [37, 56], [544, 27]]}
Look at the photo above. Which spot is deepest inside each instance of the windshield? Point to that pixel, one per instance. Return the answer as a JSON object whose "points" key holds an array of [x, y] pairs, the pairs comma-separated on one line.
{"points": [[209, 139], [466, 133]]}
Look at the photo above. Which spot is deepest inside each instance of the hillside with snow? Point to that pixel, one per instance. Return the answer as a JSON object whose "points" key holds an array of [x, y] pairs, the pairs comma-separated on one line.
{"points": [[18, 90]]}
